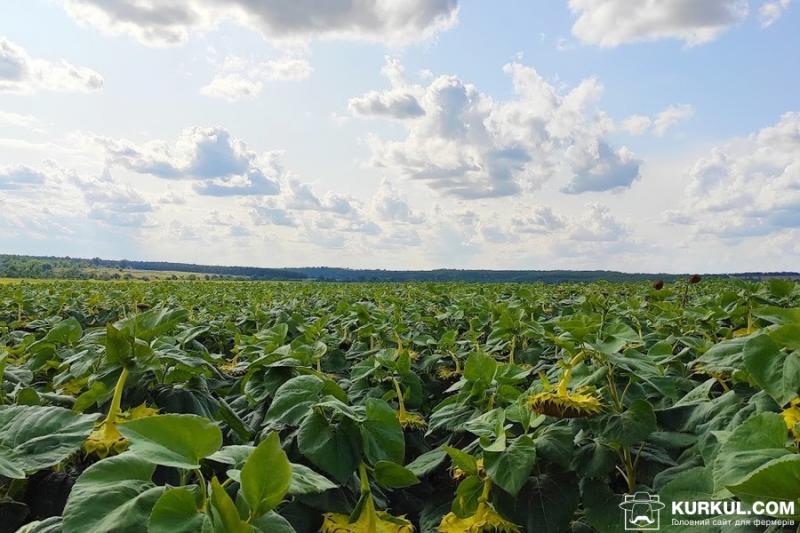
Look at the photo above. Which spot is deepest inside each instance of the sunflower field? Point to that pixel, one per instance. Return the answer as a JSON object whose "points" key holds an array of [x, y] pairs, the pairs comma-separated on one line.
{"points": [[224, 406]]}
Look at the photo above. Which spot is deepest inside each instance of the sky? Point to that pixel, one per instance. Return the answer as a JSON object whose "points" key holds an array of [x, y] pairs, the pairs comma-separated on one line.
{"points": [[648, 136]]}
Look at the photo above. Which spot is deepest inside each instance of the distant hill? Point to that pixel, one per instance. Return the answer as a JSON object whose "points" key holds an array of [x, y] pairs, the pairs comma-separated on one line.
{"points": [[22, 266]]}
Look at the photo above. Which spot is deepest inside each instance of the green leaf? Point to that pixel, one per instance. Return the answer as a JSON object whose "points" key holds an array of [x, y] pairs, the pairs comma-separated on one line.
{"points": [[272, 522], [427, 462], [118, 347], [114, 494], [759, 440], [9, 464], [333, 448], [382, 434], [293, 400], [549, 503], [306, 481], [173, 440], [511, 468], [631, 426], [393, 476], [151, 324], [778, 480], [224, 513], [35, 437], [176, 512], [235, 454], [480, 367], [780, 288], [462, 460], [467, 493], [773, 370], [266, 476]]}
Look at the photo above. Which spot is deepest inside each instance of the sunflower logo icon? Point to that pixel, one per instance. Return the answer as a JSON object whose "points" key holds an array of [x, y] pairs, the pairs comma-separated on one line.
{"points": [[642, 511]]}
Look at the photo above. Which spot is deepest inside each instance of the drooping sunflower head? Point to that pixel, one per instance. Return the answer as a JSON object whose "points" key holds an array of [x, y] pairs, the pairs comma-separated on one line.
{"points": [[445, 372], [485, 520], [411, 420], [572, 404], [380, 523], [105, 440], [791, 415]]}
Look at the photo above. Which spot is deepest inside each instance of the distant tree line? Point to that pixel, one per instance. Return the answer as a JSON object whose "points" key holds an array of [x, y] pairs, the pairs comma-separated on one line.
{"points": [[18, 266]]}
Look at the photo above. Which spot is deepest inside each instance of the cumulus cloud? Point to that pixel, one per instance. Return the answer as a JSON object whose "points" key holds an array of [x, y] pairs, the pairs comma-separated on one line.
{"points": [[390, 204], [118, 206], [265, 215], [170, 23], [748, 186], [770, 12], [222, 165], [540, 220], [610, 23], [20, 177], [597, 224], [392, 104], [660, 123], [464, 143], [241, 78], [20, 73]]}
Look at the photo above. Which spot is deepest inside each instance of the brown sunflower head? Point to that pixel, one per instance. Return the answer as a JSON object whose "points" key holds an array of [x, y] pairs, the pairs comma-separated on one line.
{"points": [[694, 278], [658, 284]]}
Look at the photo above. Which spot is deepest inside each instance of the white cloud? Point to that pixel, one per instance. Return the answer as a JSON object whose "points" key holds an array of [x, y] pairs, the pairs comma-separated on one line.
{"points": [[671, 116], [391, 104], [241, 78], [467, 144], [659, 124], [222, 165], [170, 23], [613, 22], [21, 121], [637, 124], [770, 12], [597, 224], [748, 186], [20, 73], [540, 220], [20, 177], [390, 205]]}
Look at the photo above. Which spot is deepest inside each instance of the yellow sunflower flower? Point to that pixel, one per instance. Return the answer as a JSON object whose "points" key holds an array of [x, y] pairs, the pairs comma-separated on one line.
{"points": [[105, 440], [370, 521], [141, 411], [569, 404], [457, 473], [485, 520], [445, 372], [411, 420], [791, 415]]}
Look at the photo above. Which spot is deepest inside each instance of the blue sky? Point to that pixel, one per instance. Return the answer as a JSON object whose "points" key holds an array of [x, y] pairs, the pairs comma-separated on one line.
{"points": [[404, 134]]}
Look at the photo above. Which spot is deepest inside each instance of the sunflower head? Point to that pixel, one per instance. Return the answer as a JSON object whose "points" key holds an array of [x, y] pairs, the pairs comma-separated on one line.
{"points": [[105, 440], [445, 372], [572, 404], [791, 415], [485, 520], [411, 420], [370, 521], [141, 411], [233, 369]]}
